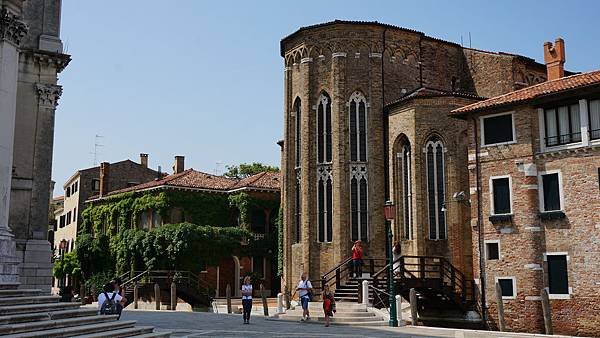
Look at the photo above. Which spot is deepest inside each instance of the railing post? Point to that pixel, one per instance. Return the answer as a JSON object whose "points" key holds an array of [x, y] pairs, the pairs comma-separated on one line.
{"points": [[365, 292], [453, 281], [399, 310], [228, 297], [82, 293], [263, 295], [338, 278], [422, 266], [402, 267], [286, 294], [500, 304], [546, 311], [464, 289], [135, 295], [371, 266], [413, 306], [173, 296], [157, 296], [280, 303], [359, 292]]}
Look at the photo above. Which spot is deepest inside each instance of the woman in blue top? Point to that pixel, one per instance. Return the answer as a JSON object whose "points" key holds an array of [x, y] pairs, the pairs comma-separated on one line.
{"points": [[247, 299]]}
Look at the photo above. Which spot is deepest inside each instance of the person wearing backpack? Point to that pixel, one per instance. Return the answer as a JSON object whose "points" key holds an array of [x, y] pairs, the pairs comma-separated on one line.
{"points": [[110, 302], [305, 293]]}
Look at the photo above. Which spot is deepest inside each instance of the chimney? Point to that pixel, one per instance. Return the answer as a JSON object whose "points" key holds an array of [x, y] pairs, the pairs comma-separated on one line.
{"points": [[104, 172], [554, 57], [144, 160], [178, 167]]}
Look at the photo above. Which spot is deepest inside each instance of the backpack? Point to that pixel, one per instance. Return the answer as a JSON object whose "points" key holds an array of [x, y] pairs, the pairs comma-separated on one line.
{"points": [[309, 293], [109, 306]]}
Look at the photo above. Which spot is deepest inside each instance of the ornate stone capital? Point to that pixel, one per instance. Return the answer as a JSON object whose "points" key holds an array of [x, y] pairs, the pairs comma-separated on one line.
{"points": [[48, 94], [11, 27]]}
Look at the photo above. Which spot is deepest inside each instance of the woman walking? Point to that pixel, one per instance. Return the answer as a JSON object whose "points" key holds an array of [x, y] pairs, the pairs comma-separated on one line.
{"points": [[328, 304], [247, 299], [357, 255]]}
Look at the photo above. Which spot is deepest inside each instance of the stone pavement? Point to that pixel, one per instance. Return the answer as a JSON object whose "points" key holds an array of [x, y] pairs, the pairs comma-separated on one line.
{"points": [[201, 324]]}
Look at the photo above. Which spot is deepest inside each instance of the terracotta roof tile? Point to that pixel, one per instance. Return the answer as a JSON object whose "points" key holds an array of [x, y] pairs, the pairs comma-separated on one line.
{"points": [[425, 92], [265, 180], [533, 92]]}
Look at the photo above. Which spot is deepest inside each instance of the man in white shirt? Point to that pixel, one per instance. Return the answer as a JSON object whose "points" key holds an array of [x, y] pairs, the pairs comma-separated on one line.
{"points": [[109, 291], [304, 288]]}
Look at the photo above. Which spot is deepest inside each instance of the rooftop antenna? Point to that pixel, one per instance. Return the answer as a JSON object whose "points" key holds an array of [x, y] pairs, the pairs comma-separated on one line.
{"points": [[96, 146], [218, 165]]}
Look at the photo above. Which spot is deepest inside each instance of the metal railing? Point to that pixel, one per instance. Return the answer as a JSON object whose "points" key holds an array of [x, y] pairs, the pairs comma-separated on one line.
{"points": [[552, 141]]}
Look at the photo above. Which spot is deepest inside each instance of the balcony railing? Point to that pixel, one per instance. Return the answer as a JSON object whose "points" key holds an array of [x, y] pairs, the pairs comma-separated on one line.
{"points": [[594, 134], [558, 140]]}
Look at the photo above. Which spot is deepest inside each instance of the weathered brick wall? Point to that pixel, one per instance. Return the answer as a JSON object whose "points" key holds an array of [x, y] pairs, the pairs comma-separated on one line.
{"points": [[525, 239]]}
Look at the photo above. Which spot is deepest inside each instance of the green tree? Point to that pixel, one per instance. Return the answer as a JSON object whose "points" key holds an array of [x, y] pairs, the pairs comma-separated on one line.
{"points": [[67, 265], [244, 170]]}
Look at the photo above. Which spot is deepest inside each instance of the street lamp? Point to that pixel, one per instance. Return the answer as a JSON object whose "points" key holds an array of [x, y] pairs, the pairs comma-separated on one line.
{"points": [[62, 246], [390, 211]]}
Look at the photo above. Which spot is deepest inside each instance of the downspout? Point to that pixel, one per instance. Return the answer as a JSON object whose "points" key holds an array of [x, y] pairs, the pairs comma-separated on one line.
{"points": [[480, 235], [386, 123]]}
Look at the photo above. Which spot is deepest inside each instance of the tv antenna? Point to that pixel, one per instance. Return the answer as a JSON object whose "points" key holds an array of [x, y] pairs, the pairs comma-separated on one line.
{"points": [[96, 146], [218, 166]]}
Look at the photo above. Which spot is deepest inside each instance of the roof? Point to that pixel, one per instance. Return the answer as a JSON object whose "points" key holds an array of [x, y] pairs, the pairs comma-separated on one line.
{"points": [[193, 179], [96, 169], [533, 92], [58, 198], [424, 92]]}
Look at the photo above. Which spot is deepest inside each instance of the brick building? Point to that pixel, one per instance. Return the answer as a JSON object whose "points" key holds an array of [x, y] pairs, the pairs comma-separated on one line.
{"points": [[360, 95], [203, 191], [534, 169]]}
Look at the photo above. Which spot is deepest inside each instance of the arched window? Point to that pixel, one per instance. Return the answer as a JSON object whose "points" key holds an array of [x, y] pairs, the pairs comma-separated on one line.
{"points": [[405, 177], [298, 152], [357, 110], [324, 178], [434, 156], [324, 129]]}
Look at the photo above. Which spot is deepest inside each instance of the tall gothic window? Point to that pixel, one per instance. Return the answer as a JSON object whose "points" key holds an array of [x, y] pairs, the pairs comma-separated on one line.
{"points": [[434, 153], [324, 129], [298, 195], [359, 215], [324, 178], [406, 194]]}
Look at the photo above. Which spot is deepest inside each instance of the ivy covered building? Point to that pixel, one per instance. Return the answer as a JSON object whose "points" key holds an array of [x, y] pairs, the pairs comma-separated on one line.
{"points": [[202, 199]]}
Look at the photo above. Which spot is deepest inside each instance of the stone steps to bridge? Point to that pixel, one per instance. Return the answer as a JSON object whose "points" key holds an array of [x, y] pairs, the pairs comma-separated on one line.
{"points": [[347, 313], [29, 313]]}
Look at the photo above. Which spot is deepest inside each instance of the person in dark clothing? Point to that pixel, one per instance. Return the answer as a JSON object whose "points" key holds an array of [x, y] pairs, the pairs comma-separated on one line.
{"points": [[247, 299]]}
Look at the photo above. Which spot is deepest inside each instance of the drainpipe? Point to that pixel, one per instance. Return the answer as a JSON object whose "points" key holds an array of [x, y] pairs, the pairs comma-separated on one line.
{"points": [[385, 125], [480, 234]]}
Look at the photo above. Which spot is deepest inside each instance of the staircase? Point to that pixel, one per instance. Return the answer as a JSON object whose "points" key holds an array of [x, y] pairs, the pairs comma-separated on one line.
{"points": [[347, 314], [29, 313], [189, 286]]}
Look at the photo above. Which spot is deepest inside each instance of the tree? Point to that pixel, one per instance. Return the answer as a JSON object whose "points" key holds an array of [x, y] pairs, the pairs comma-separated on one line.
{"points": [[244, 170]]}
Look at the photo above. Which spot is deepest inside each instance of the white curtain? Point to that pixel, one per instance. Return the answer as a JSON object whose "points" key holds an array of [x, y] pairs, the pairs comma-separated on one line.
{"points": [[551, 127], [563, 124], [575, 123], [594, 107]]}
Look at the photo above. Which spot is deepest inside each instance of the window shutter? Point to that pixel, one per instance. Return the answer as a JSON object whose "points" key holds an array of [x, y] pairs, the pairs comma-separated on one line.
{"points": [[551, 192]]}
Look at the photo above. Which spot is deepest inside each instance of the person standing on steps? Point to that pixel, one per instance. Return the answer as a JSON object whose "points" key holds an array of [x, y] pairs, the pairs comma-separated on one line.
{"points": [[305, 293], [247, 299], [357, 255], [328, 304]]}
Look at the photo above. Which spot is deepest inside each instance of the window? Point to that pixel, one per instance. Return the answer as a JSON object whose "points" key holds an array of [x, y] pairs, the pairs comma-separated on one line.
{"points": [[68, 218], [404, 164], [594, 119], [298, 208], [62, 221], [74, 214], [324, 129], [95, 184], [558, 279], [358, 127], [434, 151], [358, 207], [156, 219], [550, 192], [508, 286], [325, 205], [492, 250], [501, 195], [298, 130], [498, 129], [75, 187], [68, 193], [562, 125], [144, 220]]}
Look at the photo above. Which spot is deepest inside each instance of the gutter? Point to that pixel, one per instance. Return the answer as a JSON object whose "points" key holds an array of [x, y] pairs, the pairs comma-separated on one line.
{"points": [[480, 235]]}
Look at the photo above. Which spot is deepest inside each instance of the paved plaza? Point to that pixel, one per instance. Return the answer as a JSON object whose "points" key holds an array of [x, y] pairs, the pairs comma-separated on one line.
{"points": [[201, 324]]}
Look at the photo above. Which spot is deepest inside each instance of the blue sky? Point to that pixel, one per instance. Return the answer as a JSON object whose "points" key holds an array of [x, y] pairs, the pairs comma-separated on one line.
{"points": [[204, 78]]}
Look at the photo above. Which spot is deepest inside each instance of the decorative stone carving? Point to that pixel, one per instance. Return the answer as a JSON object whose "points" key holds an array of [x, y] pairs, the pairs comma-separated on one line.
{"points": [[48, 94], [358, 171], [324, 172], [11, 27]]}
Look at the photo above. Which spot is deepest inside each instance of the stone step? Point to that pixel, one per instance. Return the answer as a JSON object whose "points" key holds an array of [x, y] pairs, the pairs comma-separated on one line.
{"points": [[341, 306], [335, 318], [19, 293], [54, 324], [31, 317], [104, 329], [338, 313], [154, 335], [122, 332], [28, 300], [32, 308], [9, 286]]}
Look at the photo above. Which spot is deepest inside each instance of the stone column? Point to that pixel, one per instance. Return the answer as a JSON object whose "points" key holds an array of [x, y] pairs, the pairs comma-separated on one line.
{"points": [[12, 30], [308, 171], [341, 221]]}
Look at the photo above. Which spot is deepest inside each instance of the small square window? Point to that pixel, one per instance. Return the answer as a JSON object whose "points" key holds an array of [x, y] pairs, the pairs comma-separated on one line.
{"points": [[95, 184], [492, 250], [507, 284], [68, 193], [498, 129]]}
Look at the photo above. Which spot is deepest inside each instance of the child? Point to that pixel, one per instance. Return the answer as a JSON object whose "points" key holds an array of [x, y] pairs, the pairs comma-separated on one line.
{"points": [[328, 304]]}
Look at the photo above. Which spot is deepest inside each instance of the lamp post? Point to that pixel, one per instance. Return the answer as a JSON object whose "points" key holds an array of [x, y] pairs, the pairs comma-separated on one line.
{"points": [[62, 246], [390, 211]]}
